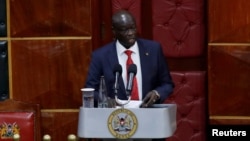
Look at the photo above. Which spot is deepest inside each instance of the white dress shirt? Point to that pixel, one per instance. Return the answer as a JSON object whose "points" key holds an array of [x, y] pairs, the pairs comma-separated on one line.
{"points": [[122, 58]]}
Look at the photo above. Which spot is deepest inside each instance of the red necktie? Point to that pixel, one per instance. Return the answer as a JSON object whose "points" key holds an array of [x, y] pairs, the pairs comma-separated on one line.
{"points": [[134, 93]]}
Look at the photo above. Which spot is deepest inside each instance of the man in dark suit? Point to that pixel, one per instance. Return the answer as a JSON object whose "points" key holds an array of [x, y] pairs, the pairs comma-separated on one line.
{"points": [[153, 77]]}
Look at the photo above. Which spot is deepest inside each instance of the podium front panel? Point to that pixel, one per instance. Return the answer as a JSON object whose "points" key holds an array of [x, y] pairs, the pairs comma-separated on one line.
{"points": [[156, 122]]}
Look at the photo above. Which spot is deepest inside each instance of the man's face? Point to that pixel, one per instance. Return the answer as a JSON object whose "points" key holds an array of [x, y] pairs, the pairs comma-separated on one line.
{"points": [[125, 31]]}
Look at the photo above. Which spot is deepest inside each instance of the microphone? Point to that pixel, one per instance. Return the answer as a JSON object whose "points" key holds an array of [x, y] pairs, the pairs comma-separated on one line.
{"points": [[132, 70], [117, 72]]}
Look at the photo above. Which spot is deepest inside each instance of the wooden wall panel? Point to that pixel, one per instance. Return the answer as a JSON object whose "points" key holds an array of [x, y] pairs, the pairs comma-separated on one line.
{"points": [[50, 72], [59, 124], [50, 18], [229, 61], [228, 21], [221, 121], [49, 44], [229, 76]]}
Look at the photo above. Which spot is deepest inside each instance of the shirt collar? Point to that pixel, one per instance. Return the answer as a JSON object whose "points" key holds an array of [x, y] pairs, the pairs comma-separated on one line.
{"points": [[121, 49]]}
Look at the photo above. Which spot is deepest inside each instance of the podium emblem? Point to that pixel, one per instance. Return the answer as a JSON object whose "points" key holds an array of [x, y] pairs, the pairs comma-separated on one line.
{"points": [[122, 123]]}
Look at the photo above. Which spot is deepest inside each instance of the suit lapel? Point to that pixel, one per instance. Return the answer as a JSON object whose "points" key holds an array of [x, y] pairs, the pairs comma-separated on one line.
{"points": [[144, 56], [112, 56], [113, 59]]}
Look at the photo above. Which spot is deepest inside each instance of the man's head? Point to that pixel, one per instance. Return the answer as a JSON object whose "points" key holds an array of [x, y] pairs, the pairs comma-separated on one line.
{"points": [[124, 28]]}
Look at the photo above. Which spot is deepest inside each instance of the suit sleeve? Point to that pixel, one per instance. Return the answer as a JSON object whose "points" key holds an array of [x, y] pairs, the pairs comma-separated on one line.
{"points": [[94, 73], [165, 83]]}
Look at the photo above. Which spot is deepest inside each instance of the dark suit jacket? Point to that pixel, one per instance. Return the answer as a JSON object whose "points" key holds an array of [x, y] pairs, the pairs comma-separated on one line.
{"points": [[155, 72]]}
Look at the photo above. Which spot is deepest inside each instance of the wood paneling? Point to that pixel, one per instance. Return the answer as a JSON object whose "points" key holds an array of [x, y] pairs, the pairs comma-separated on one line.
{"points": [[49, 44], [50, 72], [50, 18], [59, 124], [229, 76], [228, 21], [230, 120], [229, 61], [101, 33]]}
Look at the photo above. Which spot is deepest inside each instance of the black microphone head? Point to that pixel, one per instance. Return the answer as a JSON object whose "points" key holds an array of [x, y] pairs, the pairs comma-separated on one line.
{"points": [[117, 68], [132, 69]]}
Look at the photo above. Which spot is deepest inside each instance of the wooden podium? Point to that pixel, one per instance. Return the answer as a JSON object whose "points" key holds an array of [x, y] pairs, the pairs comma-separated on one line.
{"points": [[159, 121]]}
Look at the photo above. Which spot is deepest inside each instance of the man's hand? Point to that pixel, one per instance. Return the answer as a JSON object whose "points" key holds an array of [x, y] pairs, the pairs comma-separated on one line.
{"points": [[150, 99]]}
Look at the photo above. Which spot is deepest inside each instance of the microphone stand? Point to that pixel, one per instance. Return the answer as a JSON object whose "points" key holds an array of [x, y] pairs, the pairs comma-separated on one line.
{"points": [[122, 103]]}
